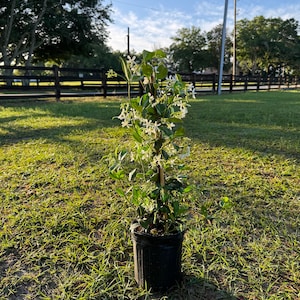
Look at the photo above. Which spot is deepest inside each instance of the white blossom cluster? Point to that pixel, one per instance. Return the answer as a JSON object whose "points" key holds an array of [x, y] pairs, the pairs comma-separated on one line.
{"points": [[150, 125], [150, 131]]}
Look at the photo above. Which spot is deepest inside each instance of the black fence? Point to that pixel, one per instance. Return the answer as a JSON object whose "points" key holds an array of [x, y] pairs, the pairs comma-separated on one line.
{"points": [[43, 82]]}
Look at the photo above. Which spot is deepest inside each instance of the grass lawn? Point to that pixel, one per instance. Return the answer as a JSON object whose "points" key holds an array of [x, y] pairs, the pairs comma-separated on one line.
{"points": [[64, 230]]}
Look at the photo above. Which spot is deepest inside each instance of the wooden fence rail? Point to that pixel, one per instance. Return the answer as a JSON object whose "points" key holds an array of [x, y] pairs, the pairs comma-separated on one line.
{"points": [[41, 82]]}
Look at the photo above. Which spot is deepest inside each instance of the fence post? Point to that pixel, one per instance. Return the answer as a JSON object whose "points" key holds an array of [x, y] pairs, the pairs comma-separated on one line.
{"points": [[257, 83], [56, 82], [104, 83], [269, 82], [231, 83], [194, 80], [280, 81], [214, 83], [141, 89], [246, 84]]}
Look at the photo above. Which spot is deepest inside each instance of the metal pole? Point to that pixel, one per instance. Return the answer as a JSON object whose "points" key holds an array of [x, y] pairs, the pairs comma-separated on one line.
{"points": [[222, 49], [234, 43], [128, 42]]}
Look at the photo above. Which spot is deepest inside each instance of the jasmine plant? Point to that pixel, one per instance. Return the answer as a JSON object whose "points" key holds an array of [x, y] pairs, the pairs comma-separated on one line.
{"points": [[154, 165]]}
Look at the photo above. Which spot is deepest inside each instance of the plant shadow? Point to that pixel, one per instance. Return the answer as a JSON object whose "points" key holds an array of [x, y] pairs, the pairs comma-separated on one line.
{"points": [[194, 288], [258, 125]]}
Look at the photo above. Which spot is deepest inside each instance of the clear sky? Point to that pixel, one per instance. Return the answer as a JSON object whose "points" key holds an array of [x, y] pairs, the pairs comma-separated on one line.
{"points": [[152, 23]]}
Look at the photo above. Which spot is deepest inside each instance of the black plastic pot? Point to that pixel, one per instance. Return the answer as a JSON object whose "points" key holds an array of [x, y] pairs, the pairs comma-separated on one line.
{"points": [[157, 260]]}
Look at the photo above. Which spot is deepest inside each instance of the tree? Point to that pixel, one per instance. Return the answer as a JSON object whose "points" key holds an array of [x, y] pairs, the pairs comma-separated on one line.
{"points": [[188, 49], [49, 28], [266, 44], [214, 41], [294, 61], [99, 56]]}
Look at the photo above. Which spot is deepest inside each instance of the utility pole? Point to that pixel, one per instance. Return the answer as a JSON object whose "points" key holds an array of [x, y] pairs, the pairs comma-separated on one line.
{"points": [[222, 49], [234, 43], [128, 42]]}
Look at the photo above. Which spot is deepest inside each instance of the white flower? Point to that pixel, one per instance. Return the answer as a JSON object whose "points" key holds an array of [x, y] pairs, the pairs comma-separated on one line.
{"points": [[125, 113], [192, 90], [150, 127], [183, 109], [131, 60], [152, 100], [156, 161], [126, 124], [147, 123], [133, 66], [111, 73], [170, 125], [146, 80], [146, 155], [184, 112], [122, 115], [156, 126], [132, 158]]}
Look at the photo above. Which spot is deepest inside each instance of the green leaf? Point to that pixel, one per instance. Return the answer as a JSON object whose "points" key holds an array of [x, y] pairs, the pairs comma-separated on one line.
{"points": [[155, 193], [188, 189], [166, 130], [225, 203], [175, 205], [160, 53], [141, 211], [136, 135], [178, 77], [165, 209], [135, 197], [174, 120], [125, 69], [120, 192], [158, 144], [145, 101], [165, 155], [147, 70], [160, 108], [117, 174], [162, 71], [147, 55], [176, 147], [179, 132], [135, 104], [154, 177], [204, 211], [173, 184]]}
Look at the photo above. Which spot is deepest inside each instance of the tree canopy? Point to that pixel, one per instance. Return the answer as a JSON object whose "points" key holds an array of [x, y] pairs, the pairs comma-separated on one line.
{"points": [[188, 49], [47, 29], [214, 41], [267, 44], [193, 50], [73, 33]]}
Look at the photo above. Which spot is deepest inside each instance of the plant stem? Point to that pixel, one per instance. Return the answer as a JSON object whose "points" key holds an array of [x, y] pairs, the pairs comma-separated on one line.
{"points": [[161, 176]]}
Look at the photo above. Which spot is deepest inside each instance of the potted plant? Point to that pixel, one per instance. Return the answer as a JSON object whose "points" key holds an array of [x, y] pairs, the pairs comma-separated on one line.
{"points": [[154, 168]]}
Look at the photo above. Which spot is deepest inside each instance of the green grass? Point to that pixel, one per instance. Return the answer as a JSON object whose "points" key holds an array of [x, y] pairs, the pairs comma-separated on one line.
{"points": [[64, 229]]}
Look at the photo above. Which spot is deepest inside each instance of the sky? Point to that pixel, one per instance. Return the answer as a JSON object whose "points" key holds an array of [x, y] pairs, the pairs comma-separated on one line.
{"points": [[152, 23]]}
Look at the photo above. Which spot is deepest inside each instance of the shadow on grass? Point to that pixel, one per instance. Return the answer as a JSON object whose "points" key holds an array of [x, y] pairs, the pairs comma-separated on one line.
{"points": [[194, 288], [250, 121], [65, 118], [265, 127]]}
